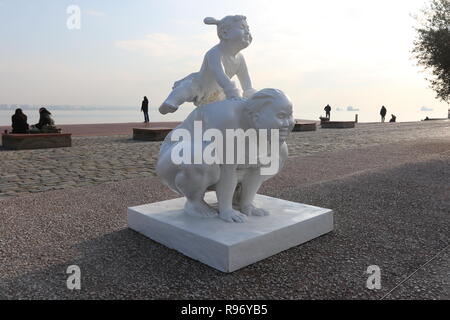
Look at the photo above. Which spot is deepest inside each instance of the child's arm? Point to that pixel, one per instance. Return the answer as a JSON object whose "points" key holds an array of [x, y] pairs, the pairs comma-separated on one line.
{"points": [[244, 79], [215, 65]]}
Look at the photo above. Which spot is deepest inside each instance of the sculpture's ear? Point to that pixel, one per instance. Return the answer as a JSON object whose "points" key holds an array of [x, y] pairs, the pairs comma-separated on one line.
{"points": [[254, 118], [224, 34]]}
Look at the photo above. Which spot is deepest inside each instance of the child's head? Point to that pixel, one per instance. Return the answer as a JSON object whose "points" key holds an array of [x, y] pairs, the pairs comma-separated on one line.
{"points": [[227, 25]]}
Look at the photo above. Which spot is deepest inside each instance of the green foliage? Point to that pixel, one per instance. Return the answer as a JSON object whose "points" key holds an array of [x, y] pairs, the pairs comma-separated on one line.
{"points": [[432, 46]]}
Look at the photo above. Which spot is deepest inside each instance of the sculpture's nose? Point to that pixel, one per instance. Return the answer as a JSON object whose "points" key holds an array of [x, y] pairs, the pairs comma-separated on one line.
{"points": [[287, 122], [290, 122]]}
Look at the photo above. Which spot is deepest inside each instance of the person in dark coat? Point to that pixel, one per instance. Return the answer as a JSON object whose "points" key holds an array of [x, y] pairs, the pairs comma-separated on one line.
{"points": [[45, 119], [144, 109], [383, 113], [327, 111], [393, 118], [19, 122]]}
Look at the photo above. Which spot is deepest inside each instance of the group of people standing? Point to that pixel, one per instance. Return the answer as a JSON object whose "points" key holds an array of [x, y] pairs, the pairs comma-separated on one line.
{"points": [[20, 123]]}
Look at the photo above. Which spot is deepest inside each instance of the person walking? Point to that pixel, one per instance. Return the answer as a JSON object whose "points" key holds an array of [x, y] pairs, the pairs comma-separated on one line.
{"points": [[383, 113], [144, 109], [327, 111]]}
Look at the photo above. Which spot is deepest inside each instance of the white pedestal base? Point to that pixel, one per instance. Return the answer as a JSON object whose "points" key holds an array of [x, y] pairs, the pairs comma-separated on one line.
{"points": [[231, 246]]}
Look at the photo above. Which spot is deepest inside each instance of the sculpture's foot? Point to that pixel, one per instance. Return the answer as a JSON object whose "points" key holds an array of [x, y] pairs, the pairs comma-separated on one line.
{"points": [[251, 210], [167, 108], [199, 209], [232, 215]]}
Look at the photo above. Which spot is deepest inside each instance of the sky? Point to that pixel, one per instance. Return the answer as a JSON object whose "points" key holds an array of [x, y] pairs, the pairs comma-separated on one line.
{"points": [[352, 54]]}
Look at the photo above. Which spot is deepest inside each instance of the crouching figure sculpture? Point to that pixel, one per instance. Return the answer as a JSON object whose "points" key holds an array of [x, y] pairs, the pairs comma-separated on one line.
{"points": [[230, 147]]}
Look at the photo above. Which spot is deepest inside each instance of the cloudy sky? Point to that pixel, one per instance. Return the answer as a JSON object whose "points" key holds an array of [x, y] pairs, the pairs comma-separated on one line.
{"points": [[352, 54]]}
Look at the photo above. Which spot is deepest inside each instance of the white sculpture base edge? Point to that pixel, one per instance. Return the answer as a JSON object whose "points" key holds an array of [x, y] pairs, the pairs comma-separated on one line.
{"points": [[231, 246]]}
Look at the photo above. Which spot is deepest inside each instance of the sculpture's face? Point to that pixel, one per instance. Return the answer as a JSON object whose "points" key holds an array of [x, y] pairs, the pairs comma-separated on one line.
{"points": [[276, 116], [239, 33]]}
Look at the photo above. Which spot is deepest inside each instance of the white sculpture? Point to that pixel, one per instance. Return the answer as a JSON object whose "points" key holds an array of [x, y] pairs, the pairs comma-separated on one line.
{"points": [[266, 109], [229, 147], [220, 64]]}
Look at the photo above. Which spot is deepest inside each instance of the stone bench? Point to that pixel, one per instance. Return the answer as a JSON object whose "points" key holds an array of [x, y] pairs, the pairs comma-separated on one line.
{"points": [[324, 119], [150, 134], [338, 124], [304, 126], [20, 141]]}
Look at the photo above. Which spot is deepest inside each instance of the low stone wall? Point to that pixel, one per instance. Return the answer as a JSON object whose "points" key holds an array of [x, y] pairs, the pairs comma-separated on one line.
{"points": [[324, 119], [20, 141], [305, 126], [338, 124], [150, 134]]}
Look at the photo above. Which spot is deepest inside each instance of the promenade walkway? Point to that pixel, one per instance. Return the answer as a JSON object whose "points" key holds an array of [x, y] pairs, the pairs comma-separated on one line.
{"points": [[391, 204], [94, 160]]}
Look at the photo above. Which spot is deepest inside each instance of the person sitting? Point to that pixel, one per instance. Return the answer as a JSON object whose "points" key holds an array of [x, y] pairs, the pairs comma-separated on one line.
{"points": [[19, 122], [393, 118], [45, 119], [45, 124]]}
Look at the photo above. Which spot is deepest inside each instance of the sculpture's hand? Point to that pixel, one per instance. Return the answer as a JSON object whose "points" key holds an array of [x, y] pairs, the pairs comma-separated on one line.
{"points": [[231, 215], [232, 92], [249, 93], [251, 210]]}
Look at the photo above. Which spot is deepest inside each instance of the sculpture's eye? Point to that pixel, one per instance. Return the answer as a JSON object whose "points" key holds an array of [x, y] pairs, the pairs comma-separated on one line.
{"points": [[281, 115]]}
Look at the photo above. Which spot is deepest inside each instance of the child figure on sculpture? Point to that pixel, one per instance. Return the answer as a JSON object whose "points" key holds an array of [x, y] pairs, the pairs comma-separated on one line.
{"points": [[220, 64]]}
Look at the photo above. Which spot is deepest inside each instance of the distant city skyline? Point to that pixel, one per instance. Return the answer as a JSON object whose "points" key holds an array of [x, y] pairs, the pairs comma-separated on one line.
{"points": [[347, 54]]}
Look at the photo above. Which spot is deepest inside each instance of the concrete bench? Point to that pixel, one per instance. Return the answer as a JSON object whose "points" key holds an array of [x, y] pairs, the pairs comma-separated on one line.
{"points": [[304, 126], [20, 141], [324, 119], [150, 134], [338, 124]]}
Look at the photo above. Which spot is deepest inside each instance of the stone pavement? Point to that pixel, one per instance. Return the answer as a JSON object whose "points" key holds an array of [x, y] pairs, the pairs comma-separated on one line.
{"points": [[94, 160], [91, 160], [391, 204]]}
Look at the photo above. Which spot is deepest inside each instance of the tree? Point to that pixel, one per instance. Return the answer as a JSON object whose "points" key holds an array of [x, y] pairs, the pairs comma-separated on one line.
{"points": [[432, 46]]}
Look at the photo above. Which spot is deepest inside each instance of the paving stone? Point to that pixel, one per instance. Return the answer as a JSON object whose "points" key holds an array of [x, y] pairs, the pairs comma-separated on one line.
{"points": [[95, 160]]}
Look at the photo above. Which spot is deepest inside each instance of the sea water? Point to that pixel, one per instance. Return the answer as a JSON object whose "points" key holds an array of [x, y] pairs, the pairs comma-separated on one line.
{"points": [[89, 115]]}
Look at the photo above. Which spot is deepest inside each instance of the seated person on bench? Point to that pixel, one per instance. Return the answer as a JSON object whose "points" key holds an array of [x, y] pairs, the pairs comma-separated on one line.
{"points": [[45, 124], [19, 122]]}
